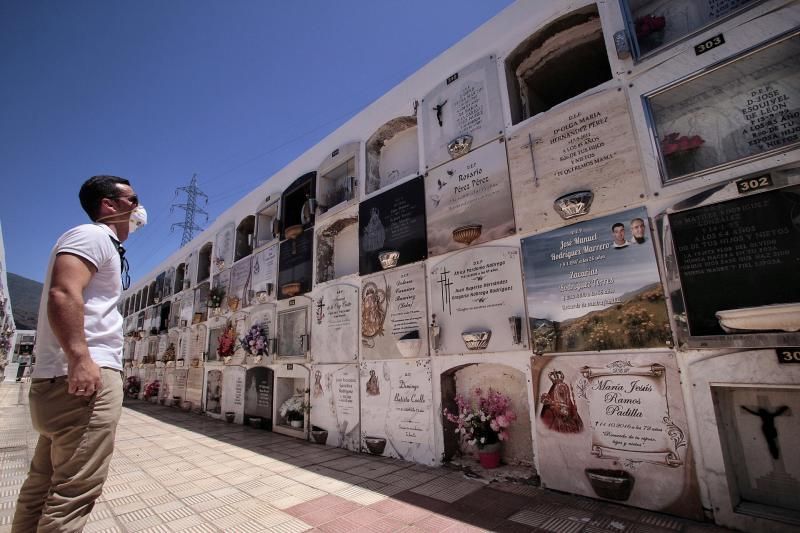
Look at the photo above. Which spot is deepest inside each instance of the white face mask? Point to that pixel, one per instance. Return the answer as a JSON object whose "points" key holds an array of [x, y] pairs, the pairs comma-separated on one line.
{"points": [[138, 219]]}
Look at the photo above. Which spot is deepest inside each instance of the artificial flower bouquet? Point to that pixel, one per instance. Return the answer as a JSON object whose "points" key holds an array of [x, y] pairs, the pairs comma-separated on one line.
{"points": [[132, 386], [255, 340], [226, 343], [151, 389], [483, 419]]}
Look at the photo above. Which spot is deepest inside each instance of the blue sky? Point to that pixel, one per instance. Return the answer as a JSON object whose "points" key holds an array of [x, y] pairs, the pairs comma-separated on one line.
{"points": [[156, 91]]}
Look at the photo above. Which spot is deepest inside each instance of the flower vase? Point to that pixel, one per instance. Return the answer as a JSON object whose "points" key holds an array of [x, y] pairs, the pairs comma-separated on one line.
{"points": [[296, 423], [489, 455]]}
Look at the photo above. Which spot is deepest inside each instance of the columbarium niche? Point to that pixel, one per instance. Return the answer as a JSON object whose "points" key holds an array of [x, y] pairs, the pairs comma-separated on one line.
{"points": [[296, 212], [200, 302], [213, 390], [337, 179], [293, 328], [290, 408], [244, 237], [463, 380], [337, 247], [180, 275], [392, 154], [263, 274], [204, 262], [224, 244], [239, 290], [259, 384], [559, 62], [267, 224]]}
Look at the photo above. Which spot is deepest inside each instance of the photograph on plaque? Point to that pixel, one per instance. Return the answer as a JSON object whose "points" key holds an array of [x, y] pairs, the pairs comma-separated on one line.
{"points": [[614, 426], [233, 392], [477, 303], [392, 228], [239, 294], [397, 410], [335, 415], [335, 324], [214, 392], [738, 264], [295, 265], [336, 243], [463, 112], [657, 23], [258, 396], [293, 332], [595, 285], [579, 158], [468, 200], [263, 275], [747, 107], [394, 314], [223, 247]]}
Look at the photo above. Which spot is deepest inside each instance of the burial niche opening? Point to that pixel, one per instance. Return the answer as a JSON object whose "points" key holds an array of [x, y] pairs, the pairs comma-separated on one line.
{"points": [[463, 380], [559, 62], [259, 382], [244, 237], [180, 273], [392, 153], [295, 208]]}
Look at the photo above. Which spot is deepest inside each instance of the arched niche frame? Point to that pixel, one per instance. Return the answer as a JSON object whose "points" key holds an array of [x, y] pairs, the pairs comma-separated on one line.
{"points": [[259, 384], [338, 180], [392, 154], [336, 246]]}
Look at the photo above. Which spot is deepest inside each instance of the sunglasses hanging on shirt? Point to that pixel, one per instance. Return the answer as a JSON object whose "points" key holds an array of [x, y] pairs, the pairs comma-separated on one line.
{"points": [[125, 267]]}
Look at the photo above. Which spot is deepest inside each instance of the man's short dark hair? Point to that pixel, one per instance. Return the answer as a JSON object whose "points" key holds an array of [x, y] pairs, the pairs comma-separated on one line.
{"points": [[617, 225], [95, 189]]}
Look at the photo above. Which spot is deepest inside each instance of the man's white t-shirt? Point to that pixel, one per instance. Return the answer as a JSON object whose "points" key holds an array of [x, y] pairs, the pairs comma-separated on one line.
{"points": [[102, 320]]}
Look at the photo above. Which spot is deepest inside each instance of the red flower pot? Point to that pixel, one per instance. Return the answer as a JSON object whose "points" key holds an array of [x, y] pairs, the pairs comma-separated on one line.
{"points": [[489, 456]]}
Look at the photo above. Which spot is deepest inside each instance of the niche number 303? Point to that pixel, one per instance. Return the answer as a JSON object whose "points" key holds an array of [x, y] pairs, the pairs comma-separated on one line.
{"points": [[709, 44], [789, 355]]}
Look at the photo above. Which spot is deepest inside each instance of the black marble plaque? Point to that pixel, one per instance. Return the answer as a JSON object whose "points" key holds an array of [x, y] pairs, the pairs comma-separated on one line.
{"points": [[295, 263], [258, 393], [394, 220], [738, 254]]}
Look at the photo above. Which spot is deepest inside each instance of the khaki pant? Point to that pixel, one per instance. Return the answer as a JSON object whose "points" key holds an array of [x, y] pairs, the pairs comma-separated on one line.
{"points": [[70, 464]]}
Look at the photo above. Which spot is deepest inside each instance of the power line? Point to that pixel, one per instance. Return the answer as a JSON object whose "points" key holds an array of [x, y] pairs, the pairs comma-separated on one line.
{"points": [[190, 207]]}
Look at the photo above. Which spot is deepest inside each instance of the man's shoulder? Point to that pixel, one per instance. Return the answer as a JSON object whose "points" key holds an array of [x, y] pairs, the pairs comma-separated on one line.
{"points": [[83, 229]]}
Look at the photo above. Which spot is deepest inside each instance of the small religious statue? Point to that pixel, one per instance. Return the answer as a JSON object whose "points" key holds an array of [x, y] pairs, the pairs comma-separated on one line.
{"points": [[768, 426], [373, 387], [559, 411], [317, 384]]}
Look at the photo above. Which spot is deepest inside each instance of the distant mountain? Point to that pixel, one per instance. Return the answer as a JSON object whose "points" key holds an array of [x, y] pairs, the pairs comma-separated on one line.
{"points": [[25, 295]]}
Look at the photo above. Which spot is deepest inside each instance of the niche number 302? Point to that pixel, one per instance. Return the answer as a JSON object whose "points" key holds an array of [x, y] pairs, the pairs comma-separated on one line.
{"points": [[751, 184], [788, 355]]}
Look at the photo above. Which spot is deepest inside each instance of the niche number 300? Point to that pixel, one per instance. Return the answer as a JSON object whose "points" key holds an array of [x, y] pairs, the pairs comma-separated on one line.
{"points": [[788, 355]]}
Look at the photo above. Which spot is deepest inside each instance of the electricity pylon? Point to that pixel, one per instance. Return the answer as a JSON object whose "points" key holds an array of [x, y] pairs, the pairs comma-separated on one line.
{"points": [[190, 207]]}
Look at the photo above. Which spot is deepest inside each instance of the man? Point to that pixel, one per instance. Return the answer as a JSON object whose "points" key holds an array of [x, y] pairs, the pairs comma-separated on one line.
{"points": [[76, 390], [637, 230], [618, 229]]}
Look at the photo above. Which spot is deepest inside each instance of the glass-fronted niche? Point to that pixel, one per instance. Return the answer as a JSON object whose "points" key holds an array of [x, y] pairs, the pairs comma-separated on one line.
{"points": [[654, 24], [745, 108]]}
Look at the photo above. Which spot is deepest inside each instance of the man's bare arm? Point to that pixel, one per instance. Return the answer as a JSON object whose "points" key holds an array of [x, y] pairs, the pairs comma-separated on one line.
{"points": [[71, 274]]}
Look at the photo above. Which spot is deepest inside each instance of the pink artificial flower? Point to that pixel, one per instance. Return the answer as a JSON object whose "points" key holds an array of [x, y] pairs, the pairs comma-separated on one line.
{"points": [[495, 425], [502, 422], [503, 435]]}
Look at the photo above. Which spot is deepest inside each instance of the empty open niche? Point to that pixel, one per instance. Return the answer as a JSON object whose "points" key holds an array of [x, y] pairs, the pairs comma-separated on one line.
{"points": [[337, 249], [204, 263], [152, 294], [337, 178], [180, 274], [266, 225], [244, 237], [295, 209], [392, 153], [559, 62]]}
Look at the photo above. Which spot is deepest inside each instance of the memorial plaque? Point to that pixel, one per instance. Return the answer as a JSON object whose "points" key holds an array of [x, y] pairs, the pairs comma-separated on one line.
{"points": [[233, 392], [738, 262], [614, 426], [479, 290], [335, 326], [240, 283], [223, 248], [181, 379], [595, 286], [187, 308], [201, 301], [199, 342], [397, 410], [394, 314], [296, 263], [393, 222], [263, 317], [223, 279], [585, 145], [468, 200], [293, 331], [190, 274], [746, 108], [265, 267], [258, 393], [213, 392], [194, 387], [335, 405], [467, 103]]}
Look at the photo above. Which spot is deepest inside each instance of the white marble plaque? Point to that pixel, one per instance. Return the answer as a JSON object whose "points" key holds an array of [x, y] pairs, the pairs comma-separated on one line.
{"points": [[397, 409], [335, 324], [394, 314], [194, 387], [335, 405], [187, 308], [191, 269], [264, 270], [223, 248], [587, 145], [479, 290], [466, 103], [263, 316], [468, 200], [180, 379], [213, 392], [233, 391], [240, 282]]}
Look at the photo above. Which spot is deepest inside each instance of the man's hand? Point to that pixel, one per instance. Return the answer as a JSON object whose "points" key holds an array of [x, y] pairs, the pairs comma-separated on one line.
{"points": [[71, 274]]}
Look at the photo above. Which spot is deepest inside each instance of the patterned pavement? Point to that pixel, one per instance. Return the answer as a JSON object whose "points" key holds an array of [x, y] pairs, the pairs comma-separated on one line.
{"points": [[174, 471]]}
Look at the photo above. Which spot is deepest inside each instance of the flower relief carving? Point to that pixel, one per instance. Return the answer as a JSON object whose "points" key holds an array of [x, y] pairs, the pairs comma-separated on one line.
{"points": [[620, 367]]}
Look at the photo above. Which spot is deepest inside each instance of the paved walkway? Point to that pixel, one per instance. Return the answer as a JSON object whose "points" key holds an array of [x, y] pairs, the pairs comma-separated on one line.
{"points": [[176, 471]]}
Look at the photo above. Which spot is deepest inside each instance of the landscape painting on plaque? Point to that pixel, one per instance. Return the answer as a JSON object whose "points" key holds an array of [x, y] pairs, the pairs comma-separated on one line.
{"points": [[263, 275], [233, 392], [595, 285], [477, 302], [239, 293], [394, 314], [737, 261], [748, 107], [335, 324], [614, 427], [335, 414], [397, 410], [462, 112], [258, 397], [223, 247], [214, 392], [392, 228], [657, 23], [468, 200], [578, 158], [296, 265]]}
